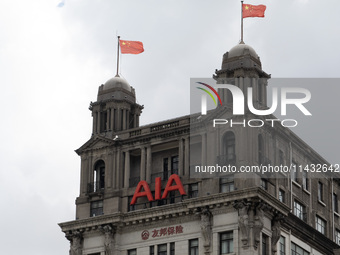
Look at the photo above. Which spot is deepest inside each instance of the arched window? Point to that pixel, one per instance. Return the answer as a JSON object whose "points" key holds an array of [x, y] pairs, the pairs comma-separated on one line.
{"points": [[229, 146], [99, 175], [260, 149]]}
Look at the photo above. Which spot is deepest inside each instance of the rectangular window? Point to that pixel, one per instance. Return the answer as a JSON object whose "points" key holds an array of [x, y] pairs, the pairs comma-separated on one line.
{"points": [[281, 158], [264, 184], [305, 180], [294, 172], [337, 236], [335, 203], [193, 247], [282, 244], [227, 184], [320, 191], [320, 225], [132, 252], [162, 249], [97, 253], [193, 190], [297, 250], [265, 245], [96, 208], [281, 195], [226, 242], [174, 165], [172, 248], [299, 211], [152, 250], [165, 168]]}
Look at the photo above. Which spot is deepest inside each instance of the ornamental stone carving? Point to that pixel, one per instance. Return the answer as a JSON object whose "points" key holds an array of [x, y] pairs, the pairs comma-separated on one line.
{"points": [[258, 223], [276, 231], [76, 239], [243, 220], [206, 228], [109, 239]]}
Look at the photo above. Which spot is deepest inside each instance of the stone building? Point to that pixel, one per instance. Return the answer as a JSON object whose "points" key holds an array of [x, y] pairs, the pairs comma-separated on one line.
{"points": [[236, 213]]}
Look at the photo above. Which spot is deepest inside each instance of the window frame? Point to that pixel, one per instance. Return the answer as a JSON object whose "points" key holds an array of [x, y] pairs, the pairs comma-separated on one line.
{"points": [[94, 208], [228, 183], [320, 225], [195, 247], [228, 240]]}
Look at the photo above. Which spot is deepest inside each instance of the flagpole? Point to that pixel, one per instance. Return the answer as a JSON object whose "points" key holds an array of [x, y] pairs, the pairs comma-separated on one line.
{"points": [[118, 56], [241, 23]]}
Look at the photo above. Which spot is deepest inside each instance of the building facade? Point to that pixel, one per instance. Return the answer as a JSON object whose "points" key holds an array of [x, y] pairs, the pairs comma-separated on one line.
{"points": [[139, 194]]}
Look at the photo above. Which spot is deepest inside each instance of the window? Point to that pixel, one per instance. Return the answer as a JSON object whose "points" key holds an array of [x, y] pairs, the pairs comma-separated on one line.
{"points": [[172, 248], [193, 190], [299, 211], [174, 165], [265, 245], [337, 236], [335, 203], [193, 247], [282, 245], [162, 249], [264, 184], [97, 253], [96, 208], [305, 180], [320, 191], [226, 242], [294, 172], [320, 225], [297, 250], [130, 207], [229, 147], [227, 184], [281, 158], [132, 252], [165, 168], [260, 149], [281, 195], [98, 177], [103, 121], [152, 250]]}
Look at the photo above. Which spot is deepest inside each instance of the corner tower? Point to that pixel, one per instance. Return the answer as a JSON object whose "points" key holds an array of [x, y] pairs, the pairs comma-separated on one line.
{"points": [[241, 66], [116, 108]]}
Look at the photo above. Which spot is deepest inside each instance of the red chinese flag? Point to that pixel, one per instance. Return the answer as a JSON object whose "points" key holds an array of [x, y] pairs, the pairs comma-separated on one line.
{"points": [[249, 10], [131, 47]]}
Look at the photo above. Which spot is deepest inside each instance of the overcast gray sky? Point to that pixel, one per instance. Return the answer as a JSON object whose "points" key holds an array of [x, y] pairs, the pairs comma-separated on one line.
{"points": [[52, 60]]}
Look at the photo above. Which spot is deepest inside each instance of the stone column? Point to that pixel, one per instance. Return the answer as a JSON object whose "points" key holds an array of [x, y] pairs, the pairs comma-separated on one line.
{"points": [[186, 156], [127, 169], [113, 170], [108, 114], [94, 129], [83, 176], [98, 122], [118, 123], [124, 119], [90, 170], [180, 158], [134, 120], [142, 164], [118, 169], [112, 119], [148, 164], [108, 170]]}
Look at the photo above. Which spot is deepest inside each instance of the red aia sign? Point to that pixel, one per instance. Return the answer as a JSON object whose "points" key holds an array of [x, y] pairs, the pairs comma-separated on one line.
{"points": [[169, 187]]}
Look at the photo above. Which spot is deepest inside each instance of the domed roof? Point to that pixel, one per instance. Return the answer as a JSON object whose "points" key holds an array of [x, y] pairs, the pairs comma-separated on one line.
{"points": [[117, 82], [242, 49]]}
